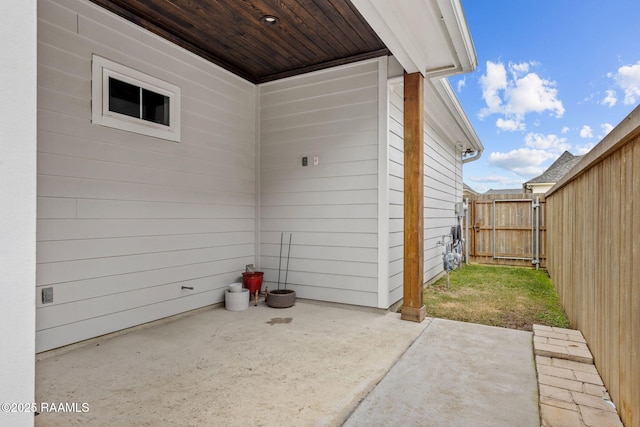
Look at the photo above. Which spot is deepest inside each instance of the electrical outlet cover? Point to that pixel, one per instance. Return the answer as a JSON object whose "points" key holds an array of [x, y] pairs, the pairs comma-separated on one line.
{"points": [[47, 295]]}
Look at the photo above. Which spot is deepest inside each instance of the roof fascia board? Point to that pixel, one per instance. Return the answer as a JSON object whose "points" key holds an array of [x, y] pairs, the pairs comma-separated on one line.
{"points": [[456, 113], [406, 40], [459, 34], [446, 107]]}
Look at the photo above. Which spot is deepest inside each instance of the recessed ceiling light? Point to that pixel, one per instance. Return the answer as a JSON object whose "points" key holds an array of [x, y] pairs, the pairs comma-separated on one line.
{"points": [[269, 20]]}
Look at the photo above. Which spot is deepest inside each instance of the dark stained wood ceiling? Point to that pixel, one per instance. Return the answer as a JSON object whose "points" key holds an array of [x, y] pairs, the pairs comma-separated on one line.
{"points": [[309, 35]]}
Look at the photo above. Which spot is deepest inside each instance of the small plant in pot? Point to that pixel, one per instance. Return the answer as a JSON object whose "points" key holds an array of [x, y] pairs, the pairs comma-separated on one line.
{"points": [[282, 298]]}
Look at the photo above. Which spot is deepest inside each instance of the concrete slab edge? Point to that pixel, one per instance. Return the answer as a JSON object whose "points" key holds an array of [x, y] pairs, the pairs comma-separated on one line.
{"points": [[373, 384]]}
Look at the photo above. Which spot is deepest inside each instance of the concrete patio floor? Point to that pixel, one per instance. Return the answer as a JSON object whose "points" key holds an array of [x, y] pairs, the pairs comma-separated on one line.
{"points": [[457, 375], [308, 365]]}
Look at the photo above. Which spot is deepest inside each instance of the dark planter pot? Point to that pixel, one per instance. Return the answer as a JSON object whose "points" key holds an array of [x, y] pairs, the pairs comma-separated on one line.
{"points": [[281, 298]]}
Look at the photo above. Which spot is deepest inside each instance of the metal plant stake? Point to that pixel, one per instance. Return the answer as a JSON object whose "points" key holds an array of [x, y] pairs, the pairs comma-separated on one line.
{"points": [[280, 260], [282, 298], [286, 275]]}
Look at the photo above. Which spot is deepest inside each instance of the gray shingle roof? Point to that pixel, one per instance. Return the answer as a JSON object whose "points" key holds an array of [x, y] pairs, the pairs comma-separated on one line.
{"points": [[558, 169], [466, 187], [504, 191]]}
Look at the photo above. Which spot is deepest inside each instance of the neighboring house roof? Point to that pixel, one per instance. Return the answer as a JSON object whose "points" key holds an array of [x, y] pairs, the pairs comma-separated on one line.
{"points": [[504, 191], [465, 187], [557, 170]]}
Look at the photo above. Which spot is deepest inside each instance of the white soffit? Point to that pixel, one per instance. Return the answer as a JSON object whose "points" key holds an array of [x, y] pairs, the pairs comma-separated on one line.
{"points": [[451, 119], [426, 36]]}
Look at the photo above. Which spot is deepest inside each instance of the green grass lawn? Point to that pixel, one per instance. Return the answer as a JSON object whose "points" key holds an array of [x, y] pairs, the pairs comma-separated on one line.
{"points": [[510, 297]]}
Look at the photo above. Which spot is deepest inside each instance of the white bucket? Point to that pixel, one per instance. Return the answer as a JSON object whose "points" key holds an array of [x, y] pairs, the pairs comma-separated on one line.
{"points": [[236, 301], [235, 287]]}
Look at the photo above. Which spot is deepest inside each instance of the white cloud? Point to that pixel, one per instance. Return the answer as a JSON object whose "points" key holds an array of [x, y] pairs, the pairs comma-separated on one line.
{"points": [[551, 143], [519, 69], [525, 162], [606, 128], [611, 98], [492, 178], [628, 79], [515, 92], [586, 132], [533, 94], [484, 183], [510, 125], [492, 83], [565, 129], [580, 150], [462, 83]]}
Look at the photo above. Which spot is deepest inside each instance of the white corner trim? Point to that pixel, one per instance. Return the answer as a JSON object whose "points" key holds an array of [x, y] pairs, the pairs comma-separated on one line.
{"points": [[258, 184], [383, 185], [18, 171]]}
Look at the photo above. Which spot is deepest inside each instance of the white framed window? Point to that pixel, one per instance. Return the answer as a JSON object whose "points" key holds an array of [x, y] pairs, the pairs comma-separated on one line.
{"points": [[126, 99]]}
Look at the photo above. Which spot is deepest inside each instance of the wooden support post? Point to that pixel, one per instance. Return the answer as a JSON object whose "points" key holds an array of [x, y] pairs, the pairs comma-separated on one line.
{"points": [[413, 305]]}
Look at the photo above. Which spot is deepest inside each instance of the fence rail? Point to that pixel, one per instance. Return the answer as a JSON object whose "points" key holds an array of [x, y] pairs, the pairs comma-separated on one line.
{"points": [[594, 258]]}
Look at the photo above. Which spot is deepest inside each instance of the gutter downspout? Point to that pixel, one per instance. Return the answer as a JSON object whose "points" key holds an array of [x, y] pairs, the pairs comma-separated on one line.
{"points": [[473, 158], [466, 214]]}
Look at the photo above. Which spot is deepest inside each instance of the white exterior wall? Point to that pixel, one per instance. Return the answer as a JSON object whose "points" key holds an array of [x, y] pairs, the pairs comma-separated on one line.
{"points": [[442, 188], [125, 220], [540, 188], [330, 209], [396, 193], [18, 211]]}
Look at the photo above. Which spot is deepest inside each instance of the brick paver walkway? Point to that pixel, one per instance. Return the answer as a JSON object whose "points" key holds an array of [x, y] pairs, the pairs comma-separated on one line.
{"points": [[571, 390]]}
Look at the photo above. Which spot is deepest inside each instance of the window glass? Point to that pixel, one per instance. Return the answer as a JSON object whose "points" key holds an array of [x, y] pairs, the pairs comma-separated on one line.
{"points": [[155, 107], [130, 100], [124, 98]]}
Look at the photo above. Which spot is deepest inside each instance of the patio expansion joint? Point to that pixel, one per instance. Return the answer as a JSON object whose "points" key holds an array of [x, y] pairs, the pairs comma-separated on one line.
{"points": [[571, 390]]}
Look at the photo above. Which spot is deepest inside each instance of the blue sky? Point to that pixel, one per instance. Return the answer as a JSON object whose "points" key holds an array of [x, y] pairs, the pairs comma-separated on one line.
{"points": [[552, 75]]}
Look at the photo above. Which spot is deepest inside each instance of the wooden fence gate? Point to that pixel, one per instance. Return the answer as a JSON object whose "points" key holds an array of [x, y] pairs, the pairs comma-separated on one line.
{"points": [[507, 229]]}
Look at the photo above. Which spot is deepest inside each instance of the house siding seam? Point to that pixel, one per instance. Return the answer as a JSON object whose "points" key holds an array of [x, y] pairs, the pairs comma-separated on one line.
{"points": [[331, 209], [125, 220]]}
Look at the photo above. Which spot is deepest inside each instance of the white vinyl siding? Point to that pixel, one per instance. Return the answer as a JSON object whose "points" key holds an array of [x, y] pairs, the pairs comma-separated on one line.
{"points": [[330, 209], [396, 193], [125, 220], [442, 188], [133, 112]]}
